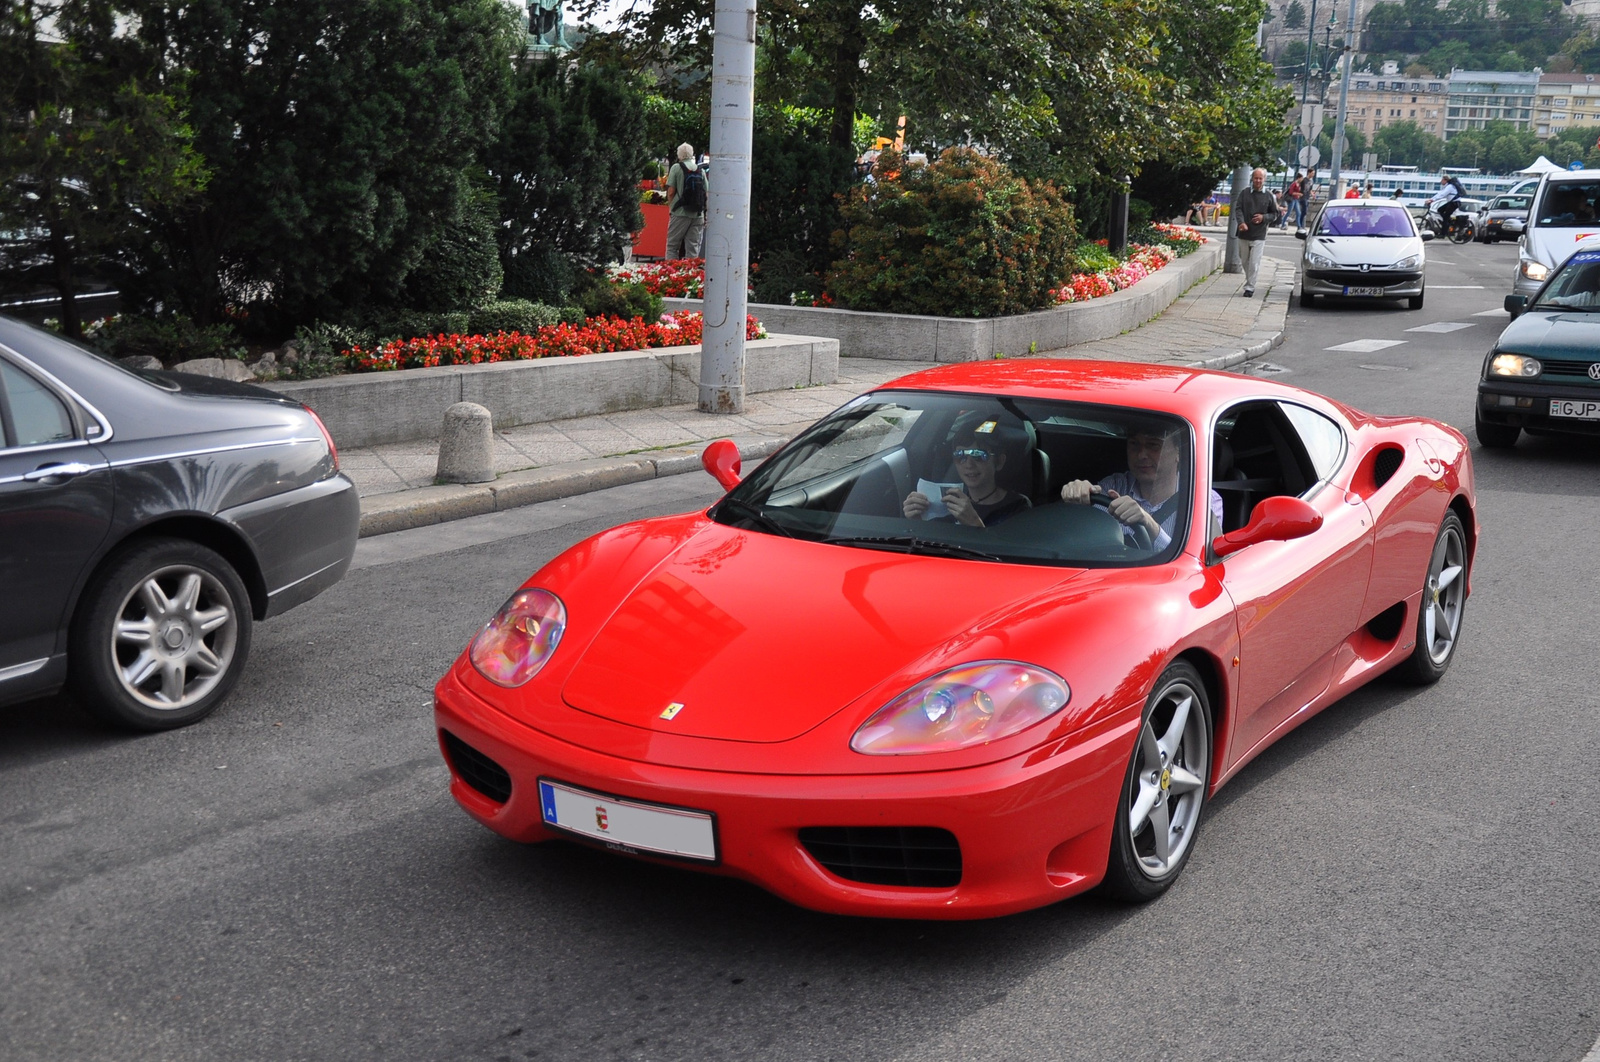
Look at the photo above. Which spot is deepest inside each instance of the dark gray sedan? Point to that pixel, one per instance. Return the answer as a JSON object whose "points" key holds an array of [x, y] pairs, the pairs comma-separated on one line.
{"points": [[146, 520]]}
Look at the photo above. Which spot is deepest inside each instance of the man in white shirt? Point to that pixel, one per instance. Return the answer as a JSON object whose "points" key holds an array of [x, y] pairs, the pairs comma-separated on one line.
{"points": [[1147, 494]]}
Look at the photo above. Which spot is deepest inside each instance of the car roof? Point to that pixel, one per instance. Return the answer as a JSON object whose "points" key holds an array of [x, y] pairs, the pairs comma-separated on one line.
{"points": [[1191, 393]]}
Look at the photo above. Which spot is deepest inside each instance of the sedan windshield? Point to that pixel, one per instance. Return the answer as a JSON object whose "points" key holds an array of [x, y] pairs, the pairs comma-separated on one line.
{"points": [[1383, 221], [1576, 286], [979, 477]]}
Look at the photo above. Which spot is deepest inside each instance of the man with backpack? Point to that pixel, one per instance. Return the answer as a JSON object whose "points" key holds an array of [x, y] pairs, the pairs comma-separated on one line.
{"points": [[1445, 199], [687, 193], [1295, 199]]}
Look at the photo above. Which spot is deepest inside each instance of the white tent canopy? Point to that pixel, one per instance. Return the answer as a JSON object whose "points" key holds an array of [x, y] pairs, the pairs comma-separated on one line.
{"points": [[1541, 167]]}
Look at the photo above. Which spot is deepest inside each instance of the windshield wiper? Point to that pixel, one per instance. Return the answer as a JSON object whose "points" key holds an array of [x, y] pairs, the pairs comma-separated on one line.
{"points": [[749, 512], [913, 544]]}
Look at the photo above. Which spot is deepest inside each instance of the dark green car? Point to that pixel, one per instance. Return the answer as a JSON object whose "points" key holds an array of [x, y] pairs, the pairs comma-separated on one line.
{"points": [[1543, 374]]}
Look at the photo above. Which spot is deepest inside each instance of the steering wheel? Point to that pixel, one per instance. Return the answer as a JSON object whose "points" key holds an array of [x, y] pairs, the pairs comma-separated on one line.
{"points": [[1141, 534]]}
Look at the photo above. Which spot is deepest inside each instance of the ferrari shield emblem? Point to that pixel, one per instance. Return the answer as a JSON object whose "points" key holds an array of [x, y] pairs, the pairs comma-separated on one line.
{"points": [[671, 711]]}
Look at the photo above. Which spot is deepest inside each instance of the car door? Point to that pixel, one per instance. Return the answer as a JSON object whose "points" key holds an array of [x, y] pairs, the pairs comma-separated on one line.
{"points": [[1296, 601], [55, 510]]}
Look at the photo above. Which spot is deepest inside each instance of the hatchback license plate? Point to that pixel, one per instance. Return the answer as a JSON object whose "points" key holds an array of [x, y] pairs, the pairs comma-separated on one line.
{"points": [[1363, 291], [1566, 407], [629, 825]]}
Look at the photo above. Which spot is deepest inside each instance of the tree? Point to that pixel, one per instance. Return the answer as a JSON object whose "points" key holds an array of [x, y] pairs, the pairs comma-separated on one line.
{"points": [[1294, 16], [566, 169], [1506, 155], [1464, 149], [337, 133], [90, 144], [1407, 144]]}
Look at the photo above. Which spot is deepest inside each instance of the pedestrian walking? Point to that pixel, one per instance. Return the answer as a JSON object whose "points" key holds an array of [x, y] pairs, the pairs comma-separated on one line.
{"points": [[1296, 196], [687, 192], [1252, 213]]}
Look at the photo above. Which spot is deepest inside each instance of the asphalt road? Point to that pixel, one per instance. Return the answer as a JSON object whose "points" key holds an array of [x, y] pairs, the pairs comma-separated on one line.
{"points": [[1410, 875]]}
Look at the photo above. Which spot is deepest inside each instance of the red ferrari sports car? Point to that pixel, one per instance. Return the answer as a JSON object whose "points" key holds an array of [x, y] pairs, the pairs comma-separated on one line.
{"points": [[982, 639]]}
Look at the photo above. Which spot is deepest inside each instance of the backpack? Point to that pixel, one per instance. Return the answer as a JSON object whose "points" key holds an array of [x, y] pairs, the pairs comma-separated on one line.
{"points": [[693, 196], [1455, 182]]}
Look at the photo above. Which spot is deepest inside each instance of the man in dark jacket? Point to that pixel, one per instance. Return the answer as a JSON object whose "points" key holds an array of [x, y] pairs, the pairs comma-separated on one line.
{"points": [[1255, 210]]}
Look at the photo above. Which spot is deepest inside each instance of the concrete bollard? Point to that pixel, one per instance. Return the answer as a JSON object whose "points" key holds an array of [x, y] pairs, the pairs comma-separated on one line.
{"points": [[466, 445]]}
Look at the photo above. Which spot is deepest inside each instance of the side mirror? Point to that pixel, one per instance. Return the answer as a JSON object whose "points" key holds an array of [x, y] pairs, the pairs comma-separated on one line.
{"points": [[1515, 304], [1426, 235], [721, 459], [1299, 234], [1277, 519]]}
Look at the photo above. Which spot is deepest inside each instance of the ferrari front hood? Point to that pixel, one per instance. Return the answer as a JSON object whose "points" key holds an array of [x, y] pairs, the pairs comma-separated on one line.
{"points": [[745, 636]]}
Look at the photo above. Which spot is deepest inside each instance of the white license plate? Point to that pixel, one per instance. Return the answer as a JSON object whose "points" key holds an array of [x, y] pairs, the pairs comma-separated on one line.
{"points": [[629, 825], [1363, 291], [1566, 407]]}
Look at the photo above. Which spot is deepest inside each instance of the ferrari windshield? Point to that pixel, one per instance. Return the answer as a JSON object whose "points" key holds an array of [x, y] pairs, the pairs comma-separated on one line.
{"points": [[1576, 286], [1383, 221], [980, 477]]}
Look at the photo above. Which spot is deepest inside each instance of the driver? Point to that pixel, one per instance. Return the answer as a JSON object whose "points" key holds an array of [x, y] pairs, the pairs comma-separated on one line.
{"points": [[979, 452], [1147, 494]]}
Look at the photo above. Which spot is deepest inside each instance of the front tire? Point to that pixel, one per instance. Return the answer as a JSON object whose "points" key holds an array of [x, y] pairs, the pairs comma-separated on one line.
{"points": [[1164, 791], [1415, 301], [1444, 600], [1307, 300], [161, 635], [1495, 436]]}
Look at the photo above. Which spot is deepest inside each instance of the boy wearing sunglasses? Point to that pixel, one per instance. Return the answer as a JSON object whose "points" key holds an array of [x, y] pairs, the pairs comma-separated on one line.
{"points": [[980, 501]]}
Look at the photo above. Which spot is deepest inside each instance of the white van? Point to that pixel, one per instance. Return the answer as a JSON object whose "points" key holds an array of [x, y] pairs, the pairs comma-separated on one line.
{"points": [[1566, 209]]}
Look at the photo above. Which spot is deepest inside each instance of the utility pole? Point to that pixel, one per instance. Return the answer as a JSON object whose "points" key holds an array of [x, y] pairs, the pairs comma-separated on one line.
{"points": [[1345, 62], [1305, 87], [727, 250]]}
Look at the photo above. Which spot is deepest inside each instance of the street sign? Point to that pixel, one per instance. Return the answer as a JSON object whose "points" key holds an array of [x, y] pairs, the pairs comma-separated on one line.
{"points": [[1369, 161], [1310, 156], [1311, 120]]}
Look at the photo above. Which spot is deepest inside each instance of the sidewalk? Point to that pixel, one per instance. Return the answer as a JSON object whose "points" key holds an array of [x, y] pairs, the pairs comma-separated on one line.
{"points": [[1211, 326]]}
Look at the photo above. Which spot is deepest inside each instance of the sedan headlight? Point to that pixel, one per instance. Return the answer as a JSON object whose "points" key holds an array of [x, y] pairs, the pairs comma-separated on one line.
{"points": [[520, 639], [1414, 262], [968, 705], [1534, 270], [1514, 365], [1317, 261]]}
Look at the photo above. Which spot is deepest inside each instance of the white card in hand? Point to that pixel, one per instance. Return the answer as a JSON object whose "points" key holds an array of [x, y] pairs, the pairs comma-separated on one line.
{"points": [[934, 492]]}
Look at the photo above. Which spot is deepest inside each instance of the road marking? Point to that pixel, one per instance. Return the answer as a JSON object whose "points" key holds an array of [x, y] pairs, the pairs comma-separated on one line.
{"points": [[1387, 368], [1441, 327], [1491, 313], [1367, 346], [1456, 287], [1594, 1053]]}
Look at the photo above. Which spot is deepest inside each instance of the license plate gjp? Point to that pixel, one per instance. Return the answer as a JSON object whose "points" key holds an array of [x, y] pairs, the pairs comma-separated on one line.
{"points": [[629, 825], [1362, 291], [1575, 409]]}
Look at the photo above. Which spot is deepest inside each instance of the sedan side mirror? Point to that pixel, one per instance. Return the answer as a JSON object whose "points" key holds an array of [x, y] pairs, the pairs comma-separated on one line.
{"points": [[1276, 519], [721, 459], [1426, 235], [1515, 304]]}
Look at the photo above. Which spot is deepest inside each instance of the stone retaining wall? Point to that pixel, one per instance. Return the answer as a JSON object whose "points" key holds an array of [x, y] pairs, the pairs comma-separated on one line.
{"points": [[366, 409], [912, 337]]}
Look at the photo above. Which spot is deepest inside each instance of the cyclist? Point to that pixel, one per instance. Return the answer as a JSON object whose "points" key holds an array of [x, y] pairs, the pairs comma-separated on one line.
{"points": [[1445, 200]]}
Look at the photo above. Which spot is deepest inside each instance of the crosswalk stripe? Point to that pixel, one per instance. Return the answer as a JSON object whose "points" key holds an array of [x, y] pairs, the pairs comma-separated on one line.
{"points": [[1490, 313], [1441, 327], [1367, 346]]}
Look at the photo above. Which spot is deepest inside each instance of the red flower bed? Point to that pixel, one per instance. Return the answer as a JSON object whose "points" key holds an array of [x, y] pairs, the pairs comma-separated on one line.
{"points": [[595, 336]]}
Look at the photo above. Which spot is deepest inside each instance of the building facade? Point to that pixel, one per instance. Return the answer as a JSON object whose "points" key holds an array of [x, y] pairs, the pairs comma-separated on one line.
{"points": [[1478, 97], [1377, 100], [1565, 101]]}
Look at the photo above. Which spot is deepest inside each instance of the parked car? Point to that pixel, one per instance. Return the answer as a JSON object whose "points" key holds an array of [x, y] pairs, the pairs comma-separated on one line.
{"points": [[1564, 214], [1363, 248], [1542, 375], [146, 521], [1503, 218], [871, 704]]}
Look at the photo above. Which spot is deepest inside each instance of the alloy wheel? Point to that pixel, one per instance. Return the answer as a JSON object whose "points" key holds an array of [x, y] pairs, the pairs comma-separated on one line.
{"points": [[174, 637], [1167, 786]]}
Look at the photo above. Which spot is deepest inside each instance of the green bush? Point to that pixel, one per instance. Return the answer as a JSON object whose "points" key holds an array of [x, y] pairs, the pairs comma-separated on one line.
{"points": [[512, 315], [601, 297], [460, 269], [1093, 258], [171, 338], [408, 324], [960, 237]]}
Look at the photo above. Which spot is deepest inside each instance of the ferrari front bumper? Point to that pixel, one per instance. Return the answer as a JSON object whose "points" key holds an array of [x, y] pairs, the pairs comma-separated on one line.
{"points": [[1032, 830]]}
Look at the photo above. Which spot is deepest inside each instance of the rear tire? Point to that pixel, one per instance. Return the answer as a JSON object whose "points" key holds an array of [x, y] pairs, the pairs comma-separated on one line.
{"points": [[1443, 605], [1164, 789], [160, 636], [1495, 436]]}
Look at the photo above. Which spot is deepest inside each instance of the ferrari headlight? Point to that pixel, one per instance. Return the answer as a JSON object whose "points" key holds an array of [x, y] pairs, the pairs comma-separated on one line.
{"points": [[1514, 365], [1534, 270], [520, 639], [1317, 261], [968, 705], [1414, 262]]}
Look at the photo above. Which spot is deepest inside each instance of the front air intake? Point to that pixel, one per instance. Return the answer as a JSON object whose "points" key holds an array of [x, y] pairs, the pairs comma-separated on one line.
{"points": [[919, 856], [477, 770]]}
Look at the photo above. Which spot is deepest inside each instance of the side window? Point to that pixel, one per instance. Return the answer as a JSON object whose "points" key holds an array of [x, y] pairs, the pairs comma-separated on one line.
{"points": [[1323, 439], [1257, 454], [32, 415]]}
